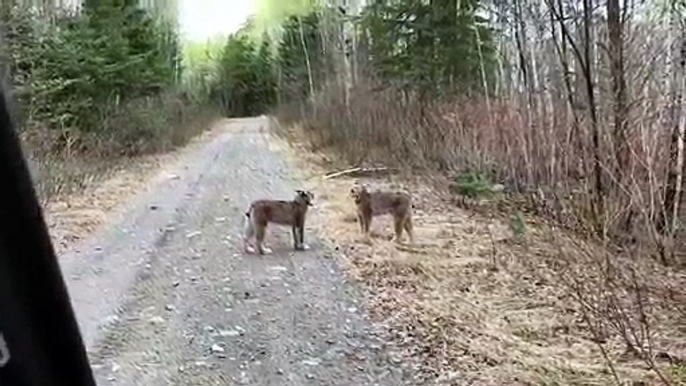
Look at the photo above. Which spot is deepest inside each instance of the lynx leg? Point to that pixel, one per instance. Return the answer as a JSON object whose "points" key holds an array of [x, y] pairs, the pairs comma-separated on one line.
{"points": [[398, 222], [302, 239], [298, 239], [296, 244], [365, 230], [409, 229], [360, 219], [248, 233], [248, 248], [260, 233]]}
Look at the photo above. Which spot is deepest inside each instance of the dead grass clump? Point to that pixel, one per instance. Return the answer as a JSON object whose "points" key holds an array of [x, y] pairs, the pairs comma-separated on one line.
{"points": [[79, 190], [467, 305], [80, 175], [74, 210]]}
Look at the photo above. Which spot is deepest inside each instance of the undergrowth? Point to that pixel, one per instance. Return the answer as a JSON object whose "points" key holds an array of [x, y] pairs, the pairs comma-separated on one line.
{"points": [[487, 298], [96, 88]]}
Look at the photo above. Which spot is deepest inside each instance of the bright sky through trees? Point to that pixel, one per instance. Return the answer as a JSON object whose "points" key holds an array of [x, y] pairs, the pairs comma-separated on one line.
{"points": [[202, 19]]}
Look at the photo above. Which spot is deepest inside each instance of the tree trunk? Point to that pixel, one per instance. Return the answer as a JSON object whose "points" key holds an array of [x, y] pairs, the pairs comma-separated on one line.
{"points": [[598, 188], [526, 76], [674, 186], [616, 55], [306, 54], [585, 58], [348, 47], [6, 9], [574, 137]]}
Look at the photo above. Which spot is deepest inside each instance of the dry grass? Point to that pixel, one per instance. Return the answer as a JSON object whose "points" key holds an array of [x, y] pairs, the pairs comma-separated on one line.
{"points": [[470, 305], [545, 153], [79, 192], [76, 213]]}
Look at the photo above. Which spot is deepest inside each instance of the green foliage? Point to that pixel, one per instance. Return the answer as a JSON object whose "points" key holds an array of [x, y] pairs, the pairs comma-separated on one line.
{"points": [[678, 373], [436, 47], [517, 225], [246, 83], [200, 69], [69, 72], [251, 74], [92, 87], [472, 185], [301, 42], [272, 14]]}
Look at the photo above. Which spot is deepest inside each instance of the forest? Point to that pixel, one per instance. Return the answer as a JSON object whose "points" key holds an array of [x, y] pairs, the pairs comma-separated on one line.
{"points": [[574, 107], [95, 86], [575, 104]]}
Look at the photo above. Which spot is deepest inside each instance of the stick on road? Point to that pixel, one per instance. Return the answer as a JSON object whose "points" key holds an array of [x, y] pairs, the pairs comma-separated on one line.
{"points": [[165, 295]]}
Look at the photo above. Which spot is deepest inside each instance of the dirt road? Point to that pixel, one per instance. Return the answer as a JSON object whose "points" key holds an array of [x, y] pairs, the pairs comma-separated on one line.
{"points": [[165, 296]]}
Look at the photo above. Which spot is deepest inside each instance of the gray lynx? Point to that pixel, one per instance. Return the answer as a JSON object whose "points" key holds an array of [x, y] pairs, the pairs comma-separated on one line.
{"points": [[263, 212], [378, 203]]}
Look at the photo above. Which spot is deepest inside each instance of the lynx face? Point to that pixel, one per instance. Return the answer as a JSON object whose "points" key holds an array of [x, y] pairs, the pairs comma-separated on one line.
{"points": [[304, 197], [359, 194]]}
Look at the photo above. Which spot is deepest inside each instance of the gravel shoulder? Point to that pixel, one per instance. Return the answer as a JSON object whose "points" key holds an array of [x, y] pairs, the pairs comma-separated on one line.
{"points": [[165, 296]]}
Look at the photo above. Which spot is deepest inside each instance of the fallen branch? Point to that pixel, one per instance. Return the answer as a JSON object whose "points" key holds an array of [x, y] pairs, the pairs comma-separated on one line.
{"points": [[358, 171]]}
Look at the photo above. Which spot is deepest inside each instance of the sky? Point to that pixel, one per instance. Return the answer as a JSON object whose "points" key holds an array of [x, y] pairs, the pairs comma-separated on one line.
{"points": [[202, 19]]}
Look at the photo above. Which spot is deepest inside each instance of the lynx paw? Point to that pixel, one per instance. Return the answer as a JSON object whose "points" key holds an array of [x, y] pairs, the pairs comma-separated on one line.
{"points": [[302, 247]]}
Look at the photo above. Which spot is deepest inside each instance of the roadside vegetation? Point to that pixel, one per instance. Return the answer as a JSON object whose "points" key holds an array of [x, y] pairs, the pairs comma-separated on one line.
{"points": [[96, 88], [551, 135]]}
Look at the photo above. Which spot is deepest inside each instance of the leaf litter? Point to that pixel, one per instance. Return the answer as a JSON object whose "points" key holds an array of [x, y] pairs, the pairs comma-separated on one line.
{"points": [[465, 305]]}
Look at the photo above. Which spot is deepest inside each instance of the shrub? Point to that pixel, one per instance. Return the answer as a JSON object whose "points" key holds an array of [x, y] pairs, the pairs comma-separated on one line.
{"points": [[93, 87], [70, 73], [472, 184], [246, 83]]}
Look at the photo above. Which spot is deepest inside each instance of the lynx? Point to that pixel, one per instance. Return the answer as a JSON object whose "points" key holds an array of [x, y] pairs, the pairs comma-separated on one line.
{"points": [[378, 203], [291, 213]]}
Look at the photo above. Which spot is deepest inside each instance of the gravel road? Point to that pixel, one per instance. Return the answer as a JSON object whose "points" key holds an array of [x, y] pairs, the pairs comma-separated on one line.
{"points": [[165, 296]]}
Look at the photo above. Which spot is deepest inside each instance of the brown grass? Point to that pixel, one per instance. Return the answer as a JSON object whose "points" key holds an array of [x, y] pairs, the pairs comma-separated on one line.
{"points": [[471, 304], [542, 151], [79, 192], [75, 213]]}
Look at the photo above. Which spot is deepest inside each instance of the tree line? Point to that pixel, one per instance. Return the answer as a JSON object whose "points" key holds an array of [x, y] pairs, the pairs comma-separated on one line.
{"points": [[97, 84], [437, 50], [84, 79]]}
